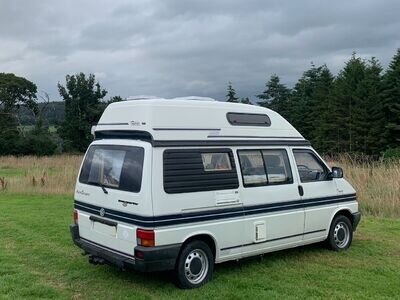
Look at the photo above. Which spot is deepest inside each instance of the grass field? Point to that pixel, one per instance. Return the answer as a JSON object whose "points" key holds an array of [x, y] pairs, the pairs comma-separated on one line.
{"points": [[38, 260]]}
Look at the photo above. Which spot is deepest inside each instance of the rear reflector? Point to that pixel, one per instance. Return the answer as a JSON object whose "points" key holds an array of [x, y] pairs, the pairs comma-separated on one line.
{"points": [[139, 254], [75, 216], [145, 238]]}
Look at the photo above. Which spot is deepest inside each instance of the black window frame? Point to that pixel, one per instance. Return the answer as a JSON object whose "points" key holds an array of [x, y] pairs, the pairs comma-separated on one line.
{"points": [[113, 147], [246, 185], [324, 166], [232, 122]]}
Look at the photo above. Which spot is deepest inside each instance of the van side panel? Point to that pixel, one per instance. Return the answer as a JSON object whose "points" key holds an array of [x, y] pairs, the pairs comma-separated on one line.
{"points": [[260, 219], [194, 213]]}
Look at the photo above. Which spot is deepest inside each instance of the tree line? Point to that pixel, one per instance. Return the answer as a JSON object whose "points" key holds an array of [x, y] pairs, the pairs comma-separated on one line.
{"points": [[83, 103], [356, 111]]}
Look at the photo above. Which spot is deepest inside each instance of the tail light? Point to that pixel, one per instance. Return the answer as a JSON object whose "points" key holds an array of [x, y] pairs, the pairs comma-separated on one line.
{"points": [[145, 238], [75, 216]]}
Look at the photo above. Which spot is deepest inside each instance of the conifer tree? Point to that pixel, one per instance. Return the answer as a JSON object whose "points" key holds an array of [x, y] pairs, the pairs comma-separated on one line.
{"points": [[391, 103], [231, 95], [300, 103], [275, 96], [323, 112], [245, 100], [350, 103], [372, 117]]}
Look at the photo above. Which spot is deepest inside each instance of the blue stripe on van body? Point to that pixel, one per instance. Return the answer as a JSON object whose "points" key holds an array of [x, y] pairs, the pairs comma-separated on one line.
{"points": [[208, 215]]}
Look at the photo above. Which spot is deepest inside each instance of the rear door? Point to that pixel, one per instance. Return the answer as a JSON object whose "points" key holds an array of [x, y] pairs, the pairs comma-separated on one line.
{"points": [[112, 193], [319, 193]]}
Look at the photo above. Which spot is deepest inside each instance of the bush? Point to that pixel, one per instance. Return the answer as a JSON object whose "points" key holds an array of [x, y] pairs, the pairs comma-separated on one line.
{"points": [[391, 153], [39, 144]]}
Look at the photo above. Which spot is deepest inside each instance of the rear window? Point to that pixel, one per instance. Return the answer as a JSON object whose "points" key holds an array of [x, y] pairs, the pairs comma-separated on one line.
{"points": [[116, 167]]}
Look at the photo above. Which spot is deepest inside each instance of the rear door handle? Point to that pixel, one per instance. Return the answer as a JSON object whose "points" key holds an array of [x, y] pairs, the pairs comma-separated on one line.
{"points": [[301, 191], [227, 197], [103, 221]]}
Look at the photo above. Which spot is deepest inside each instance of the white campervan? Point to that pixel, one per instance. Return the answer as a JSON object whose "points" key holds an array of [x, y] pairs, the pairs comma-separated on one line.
{"points": [[182, 184]]}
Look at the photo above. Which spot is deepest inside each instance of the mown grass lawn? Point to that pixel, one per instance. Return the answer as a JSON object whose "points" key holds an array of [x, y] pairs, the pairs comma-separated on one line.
{"points": [[11, 172], [38, 260], [20, 172]]}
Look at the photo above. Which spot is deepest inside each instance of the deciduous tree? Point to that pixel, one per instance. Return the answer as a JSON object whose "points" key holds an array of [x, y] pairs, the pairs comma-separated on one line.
{"points": [[82, 96], [14, 92]]}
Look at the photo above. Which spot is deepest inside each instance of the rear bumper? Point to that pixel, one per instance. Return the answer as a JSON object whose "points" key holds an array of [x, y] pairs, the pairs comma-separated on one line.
{"points": [[356, 220], [159, 258]]}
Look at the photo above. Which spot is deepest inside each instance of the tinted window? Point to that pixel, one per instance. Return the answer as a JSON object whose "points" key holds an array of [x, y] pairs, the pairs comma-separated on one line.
{"points": [[309, 166], [242, 119], [262, 167], [118, 167]]}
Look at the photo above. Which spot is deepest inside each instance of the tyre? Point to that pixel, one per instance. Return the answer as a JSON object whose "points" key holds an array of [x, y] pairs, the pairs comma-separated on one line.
{"points": [[340, 233], [195, 265]]}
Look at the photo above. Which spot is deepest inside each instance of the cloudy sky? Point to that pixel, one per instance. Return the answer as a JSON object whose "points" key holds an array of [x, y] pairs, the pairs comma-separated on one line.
{"points": [[177, 47]]}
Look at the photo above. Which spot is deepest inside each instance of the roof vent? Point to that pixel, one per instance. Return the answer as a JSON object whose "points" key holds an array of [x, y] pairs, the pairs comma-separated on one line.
{"points": [[198, 98], [141, 97]]}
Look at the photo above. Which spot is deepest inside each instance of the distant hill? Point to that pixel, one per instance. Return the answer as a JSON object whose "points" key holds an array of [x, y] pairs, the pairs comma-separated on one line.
{"points": [[54, 113]]}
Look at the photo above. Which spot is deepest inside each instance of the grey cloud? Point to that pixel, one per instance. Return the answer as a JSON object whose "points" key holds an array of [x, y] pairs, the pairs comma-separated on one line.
{"points": [[174, 48]]}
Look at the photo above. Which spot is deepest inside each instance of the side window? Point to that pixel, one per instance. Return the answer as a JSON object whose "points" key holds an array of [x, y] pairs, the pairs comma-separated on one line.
{"points": [[198, 170], [309, 166], [278, 167], [265, 167], [253, 170], [216, 162]]}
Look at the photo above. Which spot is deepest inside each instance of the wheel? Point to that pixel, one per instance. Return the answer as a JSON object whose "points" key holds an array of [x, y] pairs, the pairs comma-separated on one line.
{"points": [[195, 265], [340, 234]]}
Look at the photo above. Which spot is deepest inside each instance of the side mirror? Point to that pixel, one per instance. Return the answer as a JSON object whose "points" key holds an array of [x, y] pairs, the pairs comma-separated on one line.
{"points": [[93, 130], [336, 173]]}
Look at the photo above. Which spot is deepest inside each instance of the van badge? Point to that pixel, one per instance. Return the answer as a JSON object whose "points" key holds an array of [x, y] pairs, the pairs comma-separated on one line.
{"points": [[82, 192], [135, 123], [102, 212]]}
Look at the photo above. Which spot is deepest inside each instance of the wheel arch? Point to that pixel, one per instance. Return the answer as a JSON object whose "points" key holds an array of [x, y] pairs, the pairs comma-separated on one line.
{"points": [[206, 237], [345, 212]]}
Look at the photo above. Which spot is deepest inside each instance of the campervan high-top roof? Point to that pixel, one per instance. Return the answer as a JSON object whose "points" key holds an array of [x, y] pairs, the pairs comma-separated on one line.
{"points": [[183, 119]]}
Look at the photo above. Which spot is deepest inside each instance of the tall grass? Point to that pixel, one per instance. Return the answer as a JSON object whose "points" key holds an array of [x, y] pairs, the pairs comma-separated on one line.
{"points": [[49, 175], [377, 183]]}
